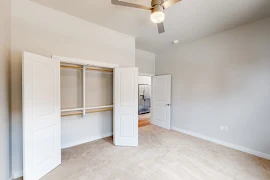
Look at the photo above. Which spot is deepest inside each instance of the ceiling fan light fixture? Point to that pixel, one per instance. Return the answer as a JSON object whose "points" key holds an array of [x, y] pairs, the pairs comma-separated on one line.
{"points": [[157, 8], [157, 15]]}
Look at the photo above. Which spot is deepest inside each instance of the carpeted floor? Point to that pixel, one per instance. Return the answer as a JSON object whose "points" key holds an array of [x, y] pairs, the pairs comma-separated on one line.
{"points": [[161, 155]]}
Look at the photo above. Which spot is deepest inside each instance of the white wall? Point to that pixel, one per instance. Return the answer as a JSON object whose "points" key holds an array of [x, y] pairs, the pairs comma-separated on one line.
{"points": [[145, 61], [99, 91], [44, 31], [223, 80], [144, 80], [4, 88]]}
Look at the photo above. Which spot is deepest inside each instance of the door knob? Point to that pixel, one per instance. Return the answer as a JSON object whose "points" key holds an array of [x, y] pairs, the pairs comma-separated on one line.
{"points": [[168, 104]]}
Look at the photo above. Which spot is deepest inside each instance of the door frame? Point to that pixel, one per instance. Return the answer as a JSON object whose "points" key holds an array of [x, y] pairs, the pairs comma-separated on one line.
{"points": [[146, 74], [84, 62], [150, 75]]}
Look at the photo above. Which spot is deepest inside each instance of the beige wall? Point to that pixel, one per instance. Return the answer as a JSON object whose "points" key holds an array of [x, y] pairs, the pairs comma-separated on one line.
{"points": [[99, 91], [4, 88], [44, 31], [99, 88], [145, 61], [223, 80], [144, 80]]}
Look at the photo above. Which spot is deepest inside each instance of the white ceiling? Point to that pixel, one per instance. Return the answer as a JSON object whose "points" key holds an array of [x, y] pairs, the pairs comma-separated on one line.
{"points": [[186, 21]]}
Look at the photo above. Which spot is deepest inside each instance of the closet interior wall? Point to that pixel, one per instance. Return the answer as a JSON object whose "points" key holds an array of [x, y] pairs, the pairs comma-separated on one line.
{"points": [[98, 100], [85, 89]]}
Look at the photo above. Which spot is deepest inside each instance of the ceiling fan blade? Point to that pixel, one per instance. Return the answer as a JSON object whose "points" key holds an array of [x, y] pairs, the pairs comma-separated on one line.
{"points": [[161, 28], [127, 4], [169, 3]]}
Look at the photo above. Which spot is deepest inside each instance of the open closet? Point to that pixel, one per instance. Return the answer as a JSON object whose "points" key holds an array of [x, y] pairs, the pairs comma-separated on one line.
{"points": [[85, 89], [86, 103], [58, 88]]}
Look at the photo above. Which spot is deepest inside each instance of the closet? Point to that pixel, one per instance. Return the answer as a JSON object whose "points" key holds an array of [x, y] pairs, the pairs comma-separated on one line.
{"points": [[85, 89], [43, 107], [86, 103]]}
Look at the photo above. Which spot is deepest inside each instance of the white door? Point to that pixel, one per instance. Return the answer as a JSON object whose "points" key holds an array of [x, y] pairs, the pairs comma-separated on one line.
{"points": [[125, 121], [41, 115], [161, 101]]}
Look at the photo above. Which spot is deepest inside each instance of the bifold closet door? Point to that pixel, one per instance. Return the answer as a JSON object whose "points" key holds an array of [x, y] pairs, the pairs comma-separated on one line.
{"points": [[41, 115], [125, 121]]}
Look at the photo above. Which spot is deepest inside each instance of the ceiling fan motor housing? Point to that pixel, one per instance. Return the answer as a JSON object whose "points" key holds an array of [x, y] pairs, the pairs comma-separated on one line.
{"points": [[157, 2], [157, 8]]}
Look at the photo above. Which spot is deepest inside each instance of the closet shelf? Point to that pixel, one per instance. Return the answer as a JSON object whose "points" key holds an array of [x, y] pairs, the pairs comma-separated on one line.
{"points": [[68, 110], [87, 111], [84, 110], [87, 68], [87, 108], [98, 107], [71, 114], [98, 110], [79, 111]]}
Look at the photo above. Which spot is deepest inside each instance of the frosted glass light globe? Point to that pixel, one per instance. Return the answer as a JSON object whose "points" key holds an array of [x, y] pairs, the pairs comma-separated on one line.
{"points": [[158, 17]]}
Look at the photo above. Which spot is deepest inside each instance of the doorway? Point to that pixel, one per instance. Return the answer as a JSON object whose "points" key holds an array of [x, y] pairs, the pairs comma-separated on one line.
{"points": [[144, 100]]}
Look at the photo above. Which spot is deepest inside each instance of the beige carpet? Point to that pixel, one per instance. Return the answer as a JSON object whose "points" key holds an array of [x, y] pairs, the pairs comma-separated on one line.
{"points": [[161, 155]]}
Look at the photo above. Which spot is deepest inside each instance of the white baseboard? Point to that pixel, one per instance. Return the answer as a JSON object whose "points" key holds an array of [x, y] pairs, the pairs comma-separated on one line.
{"points": [[76, 143], [233, 146], [16, 174]]}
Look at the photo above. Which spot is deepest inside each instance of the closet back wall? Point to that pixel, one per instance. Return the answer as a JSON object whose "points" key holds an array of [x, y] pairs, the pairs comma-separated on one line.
{"points": [[41, 30], [99, 91]]}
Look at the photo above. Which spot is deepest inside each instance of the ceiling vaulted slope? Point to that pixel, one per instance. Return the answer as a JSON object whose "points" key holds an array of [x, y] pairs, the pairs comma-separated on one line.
{"points": [[186, 21]]}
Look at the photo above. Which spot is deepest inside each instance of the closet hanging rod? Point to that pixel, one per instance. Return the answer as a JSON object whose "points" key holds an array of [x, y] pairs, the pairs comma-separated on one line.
{"points": [[98, 107], [87, 68], [68, 110], [87, 111]]}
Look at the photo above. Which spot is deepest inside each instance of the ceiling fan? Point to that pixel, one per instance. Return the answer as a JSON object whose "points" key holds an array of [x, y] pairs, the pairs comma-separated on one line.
{"points": [[157, 10]]}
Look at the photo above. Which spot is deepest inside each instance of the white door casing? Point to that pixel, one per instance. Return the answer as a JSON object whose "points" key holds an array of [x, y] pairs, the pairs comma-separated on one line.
{"points": [[125, 116], [41, 115], [161, 101]]}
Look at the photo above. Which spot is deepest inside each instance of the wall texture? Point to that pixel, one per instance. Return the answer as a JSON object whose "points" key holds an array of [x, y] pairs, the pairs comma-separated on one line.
{"points": [[4, 88], [144, 80], [44, 31], [145, 61], [99, 91], [223, 80]]}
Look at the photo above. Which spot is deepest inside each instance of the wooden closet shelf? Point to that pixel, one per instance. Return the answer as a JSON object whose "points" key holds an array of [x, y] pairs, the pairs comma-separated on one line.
{"points": [[71, 66], [71, 113], [98, 110], [87, 68], [87, 111], [99, 69]]}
